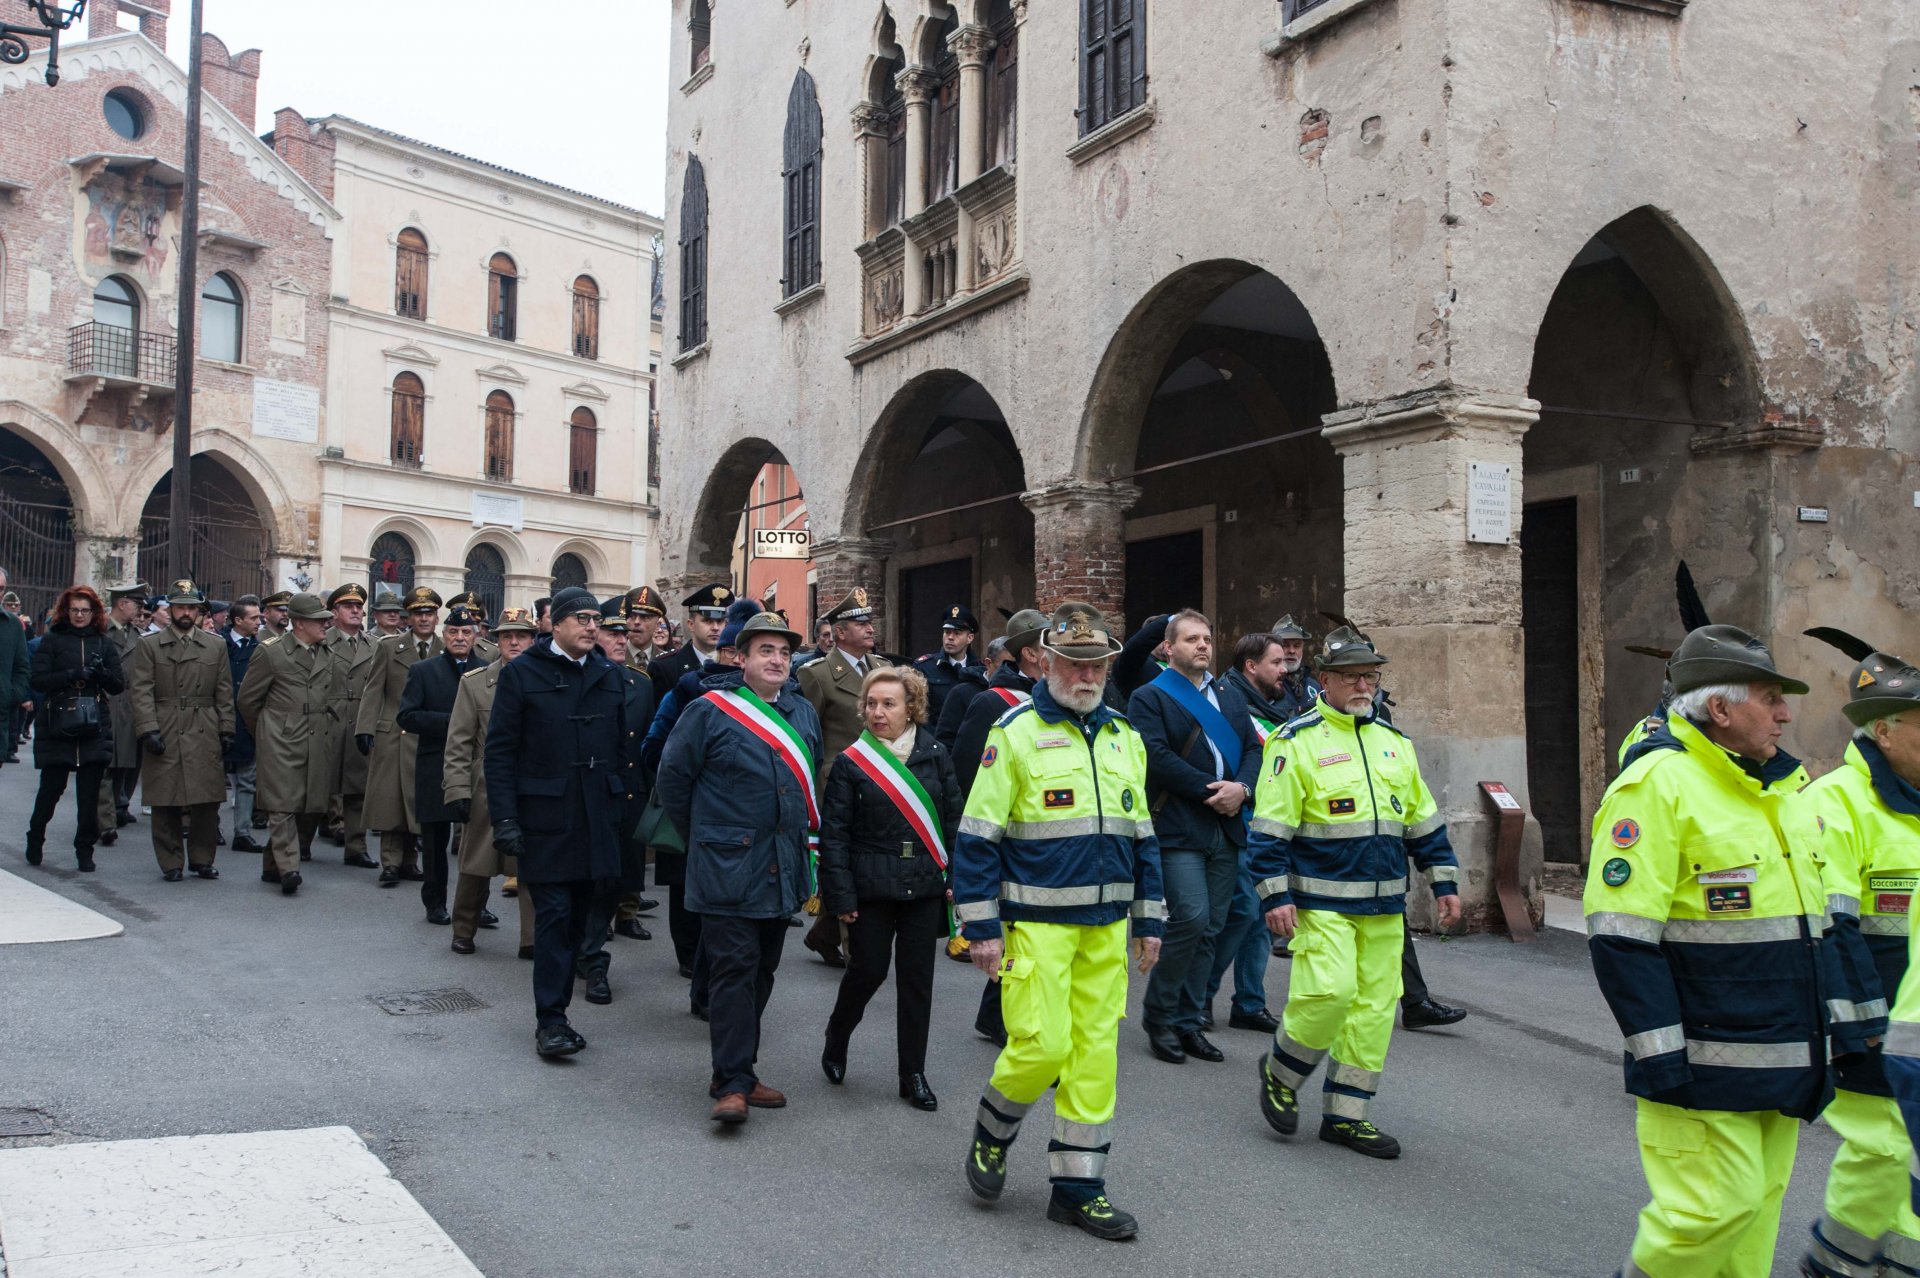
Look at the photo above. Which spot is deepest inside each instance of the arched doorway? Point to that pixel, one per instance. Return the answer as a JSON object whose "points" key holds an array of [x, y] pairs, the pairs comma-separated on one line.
{"points": [[569, 570], [391, 564], [231, 546], [36, 526], [1641, 366], [744, 531], [941, 485], [487, 577], [1209, 400]]}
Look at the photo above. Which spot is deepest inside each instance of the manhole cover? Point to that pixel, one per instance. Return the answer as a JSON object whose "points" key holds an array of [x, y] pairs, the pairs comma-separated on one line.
{"points": [[426, 1002], [24, 1122]]}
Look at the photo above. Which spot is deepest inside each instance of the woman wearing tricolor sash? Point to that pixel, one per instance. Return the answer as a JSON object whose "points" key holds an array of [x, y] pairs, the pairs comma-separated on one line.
{"points": [[890, 806]]}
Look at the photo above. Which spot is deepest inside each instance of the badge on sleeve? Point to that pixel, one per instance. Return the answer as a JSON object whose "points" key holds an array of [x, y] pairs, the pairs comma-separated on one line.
{"points": [[1626, 832], [1126, 800], [1616, 872], [987, 758], [1394, 799], [1279, 764]]}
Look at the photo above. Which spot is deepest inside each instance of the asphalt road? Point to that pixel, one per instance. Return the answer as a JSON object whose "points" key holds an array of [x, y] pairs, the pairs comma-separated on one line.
{"points": [[227, 1008]]}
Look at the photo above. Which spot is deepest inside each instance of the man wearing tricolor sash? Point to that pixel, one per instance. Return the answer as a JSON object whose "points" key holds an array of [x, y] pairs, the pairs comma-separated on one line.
{"points": [[738, 776]]}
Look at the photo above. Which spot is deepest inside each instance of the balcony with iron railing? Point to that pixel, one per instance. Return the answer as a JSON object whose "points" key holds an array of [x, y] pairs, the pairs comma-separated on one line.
{"points": [[110, 355]]}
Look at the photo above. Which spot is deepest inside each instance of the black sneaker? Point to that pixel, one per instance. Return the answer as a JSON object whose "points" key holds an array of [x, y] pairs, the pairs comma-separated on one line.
{"points": [[987, 1169], [1278, 1103], [1097, 1216], [1358, 1134]]}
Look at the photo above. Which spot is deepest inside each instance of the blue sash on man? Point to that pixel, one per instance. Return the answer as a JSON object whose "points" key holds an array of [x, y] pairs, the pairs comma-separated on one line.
{"points": [[1221, 733]]}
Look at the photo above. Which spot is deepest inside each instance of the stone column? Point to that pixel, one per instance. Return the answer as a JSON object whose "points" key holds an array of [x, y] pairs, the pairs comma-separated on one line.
{"points": [[841, 563], [971, 44], [102, 560], [1080, 543], [679, 585], [870, 140], [1446, 612], [917, 86]]}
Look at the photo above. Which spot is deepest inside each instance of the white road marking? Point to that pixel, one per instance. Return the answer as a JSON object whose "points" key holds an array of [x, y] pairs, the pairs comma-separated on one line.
{"points": [[293, 1204], [30, 914]]}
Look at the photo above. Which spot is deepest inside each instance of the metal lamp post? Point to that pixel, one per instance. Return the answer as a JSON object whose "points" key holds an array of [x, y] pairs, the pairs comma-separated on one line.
{"points": [[55, 17]]}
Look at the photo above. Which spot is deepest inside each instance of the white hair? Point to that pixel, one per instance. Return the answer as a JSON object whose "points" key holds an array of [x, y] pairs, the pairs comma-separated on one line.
{"points": [[1692, 704]]}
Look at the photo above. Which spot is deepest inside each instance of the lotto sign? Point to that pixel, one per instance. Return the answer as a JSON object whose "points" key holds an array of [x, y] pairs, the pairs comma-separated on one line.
{"points": [[782, 543]]}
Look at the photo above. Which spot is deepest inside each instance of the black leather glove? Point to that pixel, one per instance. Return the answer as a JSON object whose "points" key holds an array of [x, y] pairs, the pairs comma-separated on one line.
{"points": [[226, 743], [363, 742], [461, 809], [153, 743], [508, 840]]}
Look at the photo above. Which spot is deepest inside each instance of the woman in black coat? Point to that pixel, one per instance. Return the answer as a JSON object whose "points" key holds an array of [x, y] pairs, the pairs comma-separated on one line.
{"points": [[74, 664], [881, 879]]}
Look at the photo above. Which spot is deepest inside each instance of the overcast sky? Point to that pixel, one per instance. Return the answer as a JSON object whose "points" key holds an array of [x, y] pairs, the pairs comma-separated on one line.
{"points": [[572, 93]]}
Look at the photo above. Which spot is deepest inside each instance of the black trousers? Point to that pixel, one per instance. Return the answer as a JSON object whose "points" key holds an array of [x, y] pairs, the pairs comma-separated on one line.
{"points": [[53, 784], [435, 837], [559, 920], [683, 925], [908, 933], [741, 956], [593, 959], [1413, 986]]}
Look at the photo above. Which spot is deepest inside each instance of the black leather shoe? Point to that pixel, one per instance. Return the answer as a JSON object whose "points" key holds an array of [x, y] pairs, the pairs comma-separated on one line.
{"points": [[644, 906], [793, 922], [463, 945], [173, 876], [526, 952], [915, 1092], [1279, 1104], [829, 954], [83, 861], [439, 917], [1098, 1217], [1280, 950], [289, 884], [598, 991], [123, 818], [1199, 1048], [35, 850], [1426, 1014], [553, 1041], [698, 1011], [1263, 1020], [245, 843], [205, 872], [219, 839], [686, 971], [269, 873], [411, 873], [259, 822], [631, 929], [109, 837], [835, 1070], [361, 862], [390, 877], [306, 854], [1165, 1044]]}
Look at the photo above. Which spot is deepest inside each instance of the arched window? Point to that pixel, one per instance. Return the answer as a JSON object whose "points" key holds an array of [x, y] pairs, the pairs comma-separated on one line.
{"points": [[802, 177], [409, 420], [487, 577], [410, 275], [569, 570], [583, 451], [700, 28], [116, 303], [586, 318], [392, 564], [1113, 60], [116, 328], [693, 255], [503, 297], [499, 438], [943, 143], [1003, 86], [895, 172], [220, 319]]}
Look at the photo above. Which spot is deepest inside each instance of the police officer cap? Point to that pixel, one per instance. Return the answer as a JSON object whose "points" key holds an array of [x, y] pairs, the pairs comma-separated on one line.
{"points": [[1024, 629], [571, 600], [1882, 684], [1725, 654], [461, 615], [709, 601], [421, 597], [742, 611], [280, 599], [1288, 628], [1078, 632], [387, 599], [613, 614], [184, 591], [958, 618], [644, 601], [1347, 648], [307, 608], [352, 592], [765, 623], [855, 607], [520, 619]]}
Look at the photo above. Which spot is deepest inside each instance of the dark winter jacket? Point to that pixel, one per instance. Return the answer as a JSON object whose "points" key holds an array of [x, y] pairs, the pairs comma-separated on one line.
{"points": [[1180, 766], [426, 708], [953, 711], [16, 662], [82, 664], [864, 840], [240, 653], [982, 713]]}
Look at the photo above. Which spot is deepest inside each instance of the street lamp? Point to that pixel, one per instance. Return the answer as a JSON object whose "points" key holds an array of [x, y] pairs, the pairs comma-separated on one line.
{"points": [[55, 17]]}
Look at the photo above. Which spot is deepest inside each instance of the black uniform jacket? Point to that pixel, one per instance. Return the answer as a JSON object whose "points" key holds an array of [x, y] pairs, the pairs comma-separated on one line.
{"points": [[426, 705]]}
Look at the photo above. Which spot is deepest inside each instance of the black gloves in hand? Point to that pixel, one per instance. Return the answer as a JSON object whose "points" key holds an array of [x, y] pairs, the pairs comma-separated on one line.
{"points": [[507, 838], [363, 742], [461, 809], [153, 743], [226, 743]]}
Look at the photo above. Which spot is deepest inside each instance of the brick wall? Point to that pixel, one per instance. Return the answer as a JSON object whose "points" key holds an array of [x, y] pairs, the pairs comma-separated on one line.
{"points": [[1080, 545], [308, 148]]}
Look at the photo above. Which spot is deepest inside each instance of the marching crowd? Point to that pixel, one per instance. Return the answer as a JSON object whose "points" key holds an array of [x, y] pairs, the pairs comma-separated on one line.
{"points": [[1076, 805]]}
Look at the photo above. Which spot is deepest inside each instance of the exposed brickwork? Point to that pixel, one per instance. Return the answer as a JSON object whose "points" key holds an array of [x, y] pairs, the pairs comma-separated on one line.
{"points": [[841, 565], [232, 79], [1080, 545], [307, 147]]}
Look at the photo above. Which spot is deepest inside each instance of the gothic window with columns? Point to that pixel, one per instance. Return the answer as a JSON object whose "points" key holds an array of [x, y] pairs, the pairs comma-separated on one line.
{"points": [[693, 255], [1003, 86], [1113, 60]]}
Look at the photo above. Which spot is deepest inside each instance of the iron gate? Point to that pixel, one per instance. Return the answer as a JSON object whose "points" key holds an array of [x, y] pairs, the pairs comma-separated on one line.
{"points": [[568, 570], [227, 559], [392, 564], [487, 577], [36, 549]]}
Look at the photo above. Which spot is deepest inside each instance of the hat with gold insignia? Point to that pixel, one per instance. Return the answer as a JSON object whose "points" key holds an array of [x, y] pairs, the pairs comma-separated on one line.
{"points": [[855, 607], [184, 591], [765, 623], [278, 599], [709, 602], [1347, 648], [471, 601], [958, 618], [461, 615], [1880, 685], [520, 619], [644, 601], [613, 615], [421, 597], [1078, 632], [352, 592]]}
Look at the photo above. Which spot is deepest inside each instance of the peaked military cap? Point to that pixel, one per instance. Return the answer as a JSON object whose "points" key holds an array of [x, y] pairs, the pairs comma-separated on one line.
{"points": [[644, 601], [518, 619], [461, 615], [307, 608], [278, 599], [387, 599], [613, 614], [1024, 629], [131, 590], [1078, 632], [1288, 628], [709, 601], [184, 591], [855, 607], [766, 623], [421, 597], [1346, 648], [471, 601], [352, 592], [958, 618], [1882, 684], [1725, 654]]}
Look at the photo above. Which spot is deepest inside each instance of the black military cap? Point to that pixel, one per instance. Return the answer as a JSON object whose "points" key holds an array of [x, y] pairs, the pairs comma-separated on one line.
{"points": [[613, 614], [1725, 654], [461, 615], [958, 618], [571, 600], [709, 601]]}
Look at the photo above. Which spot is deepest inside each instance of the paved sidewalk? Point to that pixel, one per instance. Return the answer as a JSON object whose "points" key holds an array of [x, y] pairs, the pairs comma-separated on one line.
{"points": [[30, 914]]}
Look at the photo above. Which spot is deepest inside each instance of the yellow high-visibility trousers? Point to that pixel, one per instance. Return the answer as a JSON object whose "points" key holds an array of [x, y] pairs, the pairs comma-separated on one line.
{"points": [[1063, 989], [1718, 1178], [1340, 997], [1869, 1220]]}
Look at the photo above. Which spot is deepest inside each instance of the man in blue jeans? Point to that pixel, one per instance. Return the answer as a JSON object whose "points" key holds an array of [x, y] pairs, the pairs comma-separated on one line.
{"points": [[1202, 759]]}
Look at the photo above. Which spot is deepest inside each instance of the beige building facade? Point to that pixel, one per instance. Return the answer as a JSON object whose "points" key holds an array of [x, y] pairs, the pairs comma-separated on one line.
{"points": [[1467, 319], [493, 345]]}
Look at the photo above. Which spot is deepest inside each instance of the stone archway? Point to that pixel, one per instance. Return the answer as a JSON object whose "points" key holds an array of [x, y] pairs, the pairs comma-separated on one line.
{"points": [[232, 542], [36, 525]]}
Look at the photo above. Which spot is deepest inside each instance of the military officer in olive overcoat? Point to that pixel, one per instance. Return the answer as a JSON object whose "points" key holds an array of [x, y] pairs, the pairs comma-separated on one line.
{"points": [[287, 701], [645, 611], [182, 692], [273, 615], [463, 785], [353, 651], [391, 752], [123, 632]]}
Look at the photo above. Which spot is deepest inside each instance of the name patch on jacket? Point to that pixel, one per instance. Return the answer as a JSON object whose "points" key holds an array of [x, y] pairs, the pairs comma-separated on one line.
{"points": [[1892, 894], [1327, 761], [1739, 874], [1051, 743], [1734, 898], [1342, 807], [1057, 798]]}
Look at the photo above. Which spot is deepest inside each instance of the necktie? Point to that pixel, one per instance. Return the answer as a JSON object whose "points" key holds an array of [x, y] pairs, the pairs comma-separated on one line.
{"points": [[423, 650]]}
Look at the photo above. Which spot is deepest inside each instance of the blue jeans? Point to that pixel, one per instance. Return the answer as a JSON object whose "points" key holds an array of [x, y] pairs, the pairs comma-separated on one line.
{"points": [[1245, 944], [1200, 891]]}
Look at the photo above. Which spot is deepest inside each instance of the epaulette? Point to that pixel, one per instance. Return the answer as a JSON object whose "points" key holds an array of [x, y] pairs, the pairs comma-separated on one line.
{"points": [[271, 640], [1306, 719], [477, 670], [1012, 714]]}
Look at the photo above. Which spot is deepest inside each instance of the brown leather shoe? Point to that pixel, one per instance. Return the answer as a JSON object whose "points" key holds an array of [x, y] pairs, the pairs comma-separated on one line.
{"points": [[764, 1097], [731, 1108]]}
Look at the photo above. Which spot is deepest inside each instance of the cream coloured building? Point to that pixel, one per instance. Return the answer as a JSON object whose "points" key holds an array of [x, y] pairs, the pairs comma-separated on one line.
{"points": [[492, 355]]}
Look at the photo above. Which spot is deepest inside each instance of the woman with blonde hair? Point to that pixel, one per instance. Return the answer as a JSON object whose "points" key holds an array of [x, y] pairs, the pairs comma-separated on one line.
{"points": [[891, 808]]}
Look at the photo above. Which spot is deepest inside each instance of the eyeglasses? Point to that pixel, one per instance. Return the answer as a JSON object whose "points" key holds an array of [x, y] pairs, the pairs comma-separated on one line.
{"points": [[584, 618], [1368, 676]]}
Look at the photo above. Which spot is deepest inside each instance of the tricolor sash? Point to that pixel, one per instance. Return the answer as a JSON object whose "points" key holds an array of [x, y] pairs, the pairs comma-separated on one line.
{"points": [[1011, 697], [771, 728], [1263, 729], [898, 783]]}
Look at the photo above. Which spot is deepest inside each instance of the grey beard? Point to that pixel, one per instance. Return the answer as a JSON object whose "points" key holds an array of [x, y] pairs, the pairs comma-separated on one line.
{"points": [[1080, 702]]}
